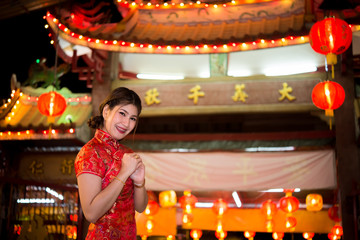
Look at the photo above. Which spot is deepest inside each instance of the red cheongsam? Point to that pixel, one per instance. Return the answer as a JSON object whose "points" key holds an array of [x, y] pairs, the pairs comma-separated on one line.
{"points": [[102, 156]]}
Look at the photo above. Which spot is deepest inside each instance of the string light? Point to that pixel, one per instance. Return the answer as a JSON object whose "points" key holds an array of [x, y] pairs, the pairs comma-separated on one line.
{"points": [[181, 5], [123, 46]]}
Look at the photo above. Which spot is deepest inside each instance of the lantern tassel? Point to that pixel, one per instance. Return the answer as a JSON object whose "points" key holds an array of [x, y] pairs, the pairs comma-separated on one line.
{"points": [[50, 129], [330, 114]]}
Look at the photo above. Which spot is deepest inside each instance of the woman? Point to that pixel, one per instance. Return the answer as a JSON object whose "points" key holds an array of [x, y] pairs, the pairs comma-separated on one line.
{"points": [[110, 176]]}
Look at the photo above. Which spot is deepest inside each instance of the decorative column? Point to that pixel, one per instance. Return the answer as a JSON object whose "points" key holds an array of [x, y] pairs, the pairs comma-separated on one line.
{"points": [[101, 89], [346, 148]]}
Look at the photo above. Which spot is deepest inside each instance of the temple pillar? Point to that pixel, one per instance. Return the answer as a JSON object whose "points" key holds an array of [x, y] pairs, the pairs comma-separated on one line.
{"points": [[346, 148], [101, 90]]}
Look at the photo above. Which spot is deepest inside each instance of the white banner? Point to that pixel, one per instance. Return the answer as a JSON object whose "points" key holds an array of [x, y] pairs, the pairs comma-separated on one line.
{"points": [[240, 171]]}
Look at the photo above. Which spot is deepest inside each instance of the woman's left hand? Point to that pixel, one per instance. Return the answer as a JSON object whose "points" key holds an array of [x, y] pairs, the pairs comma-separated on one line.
{"points": [[138, 175]]}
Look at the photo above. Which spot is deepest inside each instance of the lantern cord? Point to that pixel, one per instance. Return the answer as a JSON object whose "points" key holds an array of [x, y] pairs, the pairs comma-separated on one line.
{"points": [[56, 57], [332, 71]]}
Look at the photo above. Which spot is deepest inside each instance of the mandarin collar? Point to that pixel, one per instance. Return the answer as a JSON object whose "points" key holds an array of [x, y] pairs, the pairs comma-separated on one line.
{"points": [[105, 137]]}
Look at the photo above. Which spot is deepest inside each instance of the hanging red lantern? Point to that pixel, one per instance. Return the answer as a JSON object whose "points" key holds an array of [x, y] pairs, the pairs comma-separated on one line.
{"points": [[269, 225], [332, 236], [337, 230], [308, 235], [249, 234], [290, 222], [188, 201], [269, 208], [152, 208], [328, 95], [220, 206], [314, 202], [333, 213], [330, 37], [149, 225], [196, 233], [187, 218], [278, 235], [51, 104], [289, 203], [167, 198], [221, 235]]}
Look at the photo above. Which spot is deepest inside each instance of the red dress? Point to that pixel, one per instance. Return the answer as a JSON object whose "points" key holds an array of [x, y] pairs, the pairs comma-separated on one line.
{"points": [[102, 156]]}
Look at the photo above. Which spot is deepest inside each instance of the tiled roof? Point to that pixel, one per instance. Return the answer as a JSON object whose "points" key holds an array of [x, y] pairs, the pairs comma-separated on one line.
{"points": [[213, 32], [20, 118], [194, 25]]}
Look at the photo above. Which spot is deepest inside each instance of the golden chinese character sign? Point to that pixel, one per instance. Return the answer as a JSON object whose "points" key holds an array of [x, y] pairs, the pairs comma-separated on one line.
{"points": [[225, 94], [50, 168]]}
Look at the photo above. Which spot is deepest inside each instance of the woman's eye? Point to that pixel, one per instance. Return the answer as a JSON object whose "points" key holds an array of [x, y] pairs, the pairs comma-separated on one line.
{"points": [[122, 113], [133, 119]]}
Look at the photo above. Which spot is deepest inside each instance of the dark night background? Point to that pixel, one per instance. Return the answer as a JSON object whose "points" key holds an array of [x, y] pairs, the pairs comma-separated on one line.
{"points": [[23, 40]]}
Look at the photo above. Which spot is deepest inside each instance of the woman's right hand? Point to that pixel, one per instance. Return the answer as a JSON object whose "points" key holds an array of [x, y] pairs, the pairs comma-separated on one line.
{"points": [[129, 163]]}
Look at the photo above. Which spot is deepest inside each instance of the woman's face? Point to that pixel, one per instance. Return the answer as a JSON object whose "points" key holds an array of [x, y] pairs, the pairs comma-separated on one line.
{"points": [[120, 121]]}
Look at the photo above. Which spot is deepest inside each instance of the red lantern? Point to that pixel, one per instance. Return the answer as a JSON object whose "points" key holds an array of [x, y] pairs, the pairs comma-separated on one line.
{"points": [[289, 203], [332, 236], [167, 198], [221, 234], [278, 235], [290, 222], [152, 208], [308, 235], [337, 230], [330, 37], [269, 208], [220, 206], [333, 213], [188, 201], [149, 225], [51, 104], [269, 224], [314, 202], [187, 218], [328, 96], [249, 234], [196, 233]]}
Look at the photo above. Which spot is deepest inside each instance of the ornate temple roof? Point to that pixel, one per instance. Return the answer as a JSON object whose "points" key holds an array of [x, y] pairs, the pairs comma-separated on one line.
{"points": [[150, 25], [20, 118]]}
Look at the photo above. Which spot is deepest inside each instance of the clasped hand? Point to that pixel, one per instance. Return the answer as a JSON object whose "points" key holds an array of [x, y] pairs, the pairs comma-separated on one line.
{"points": [[134, 167]]}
